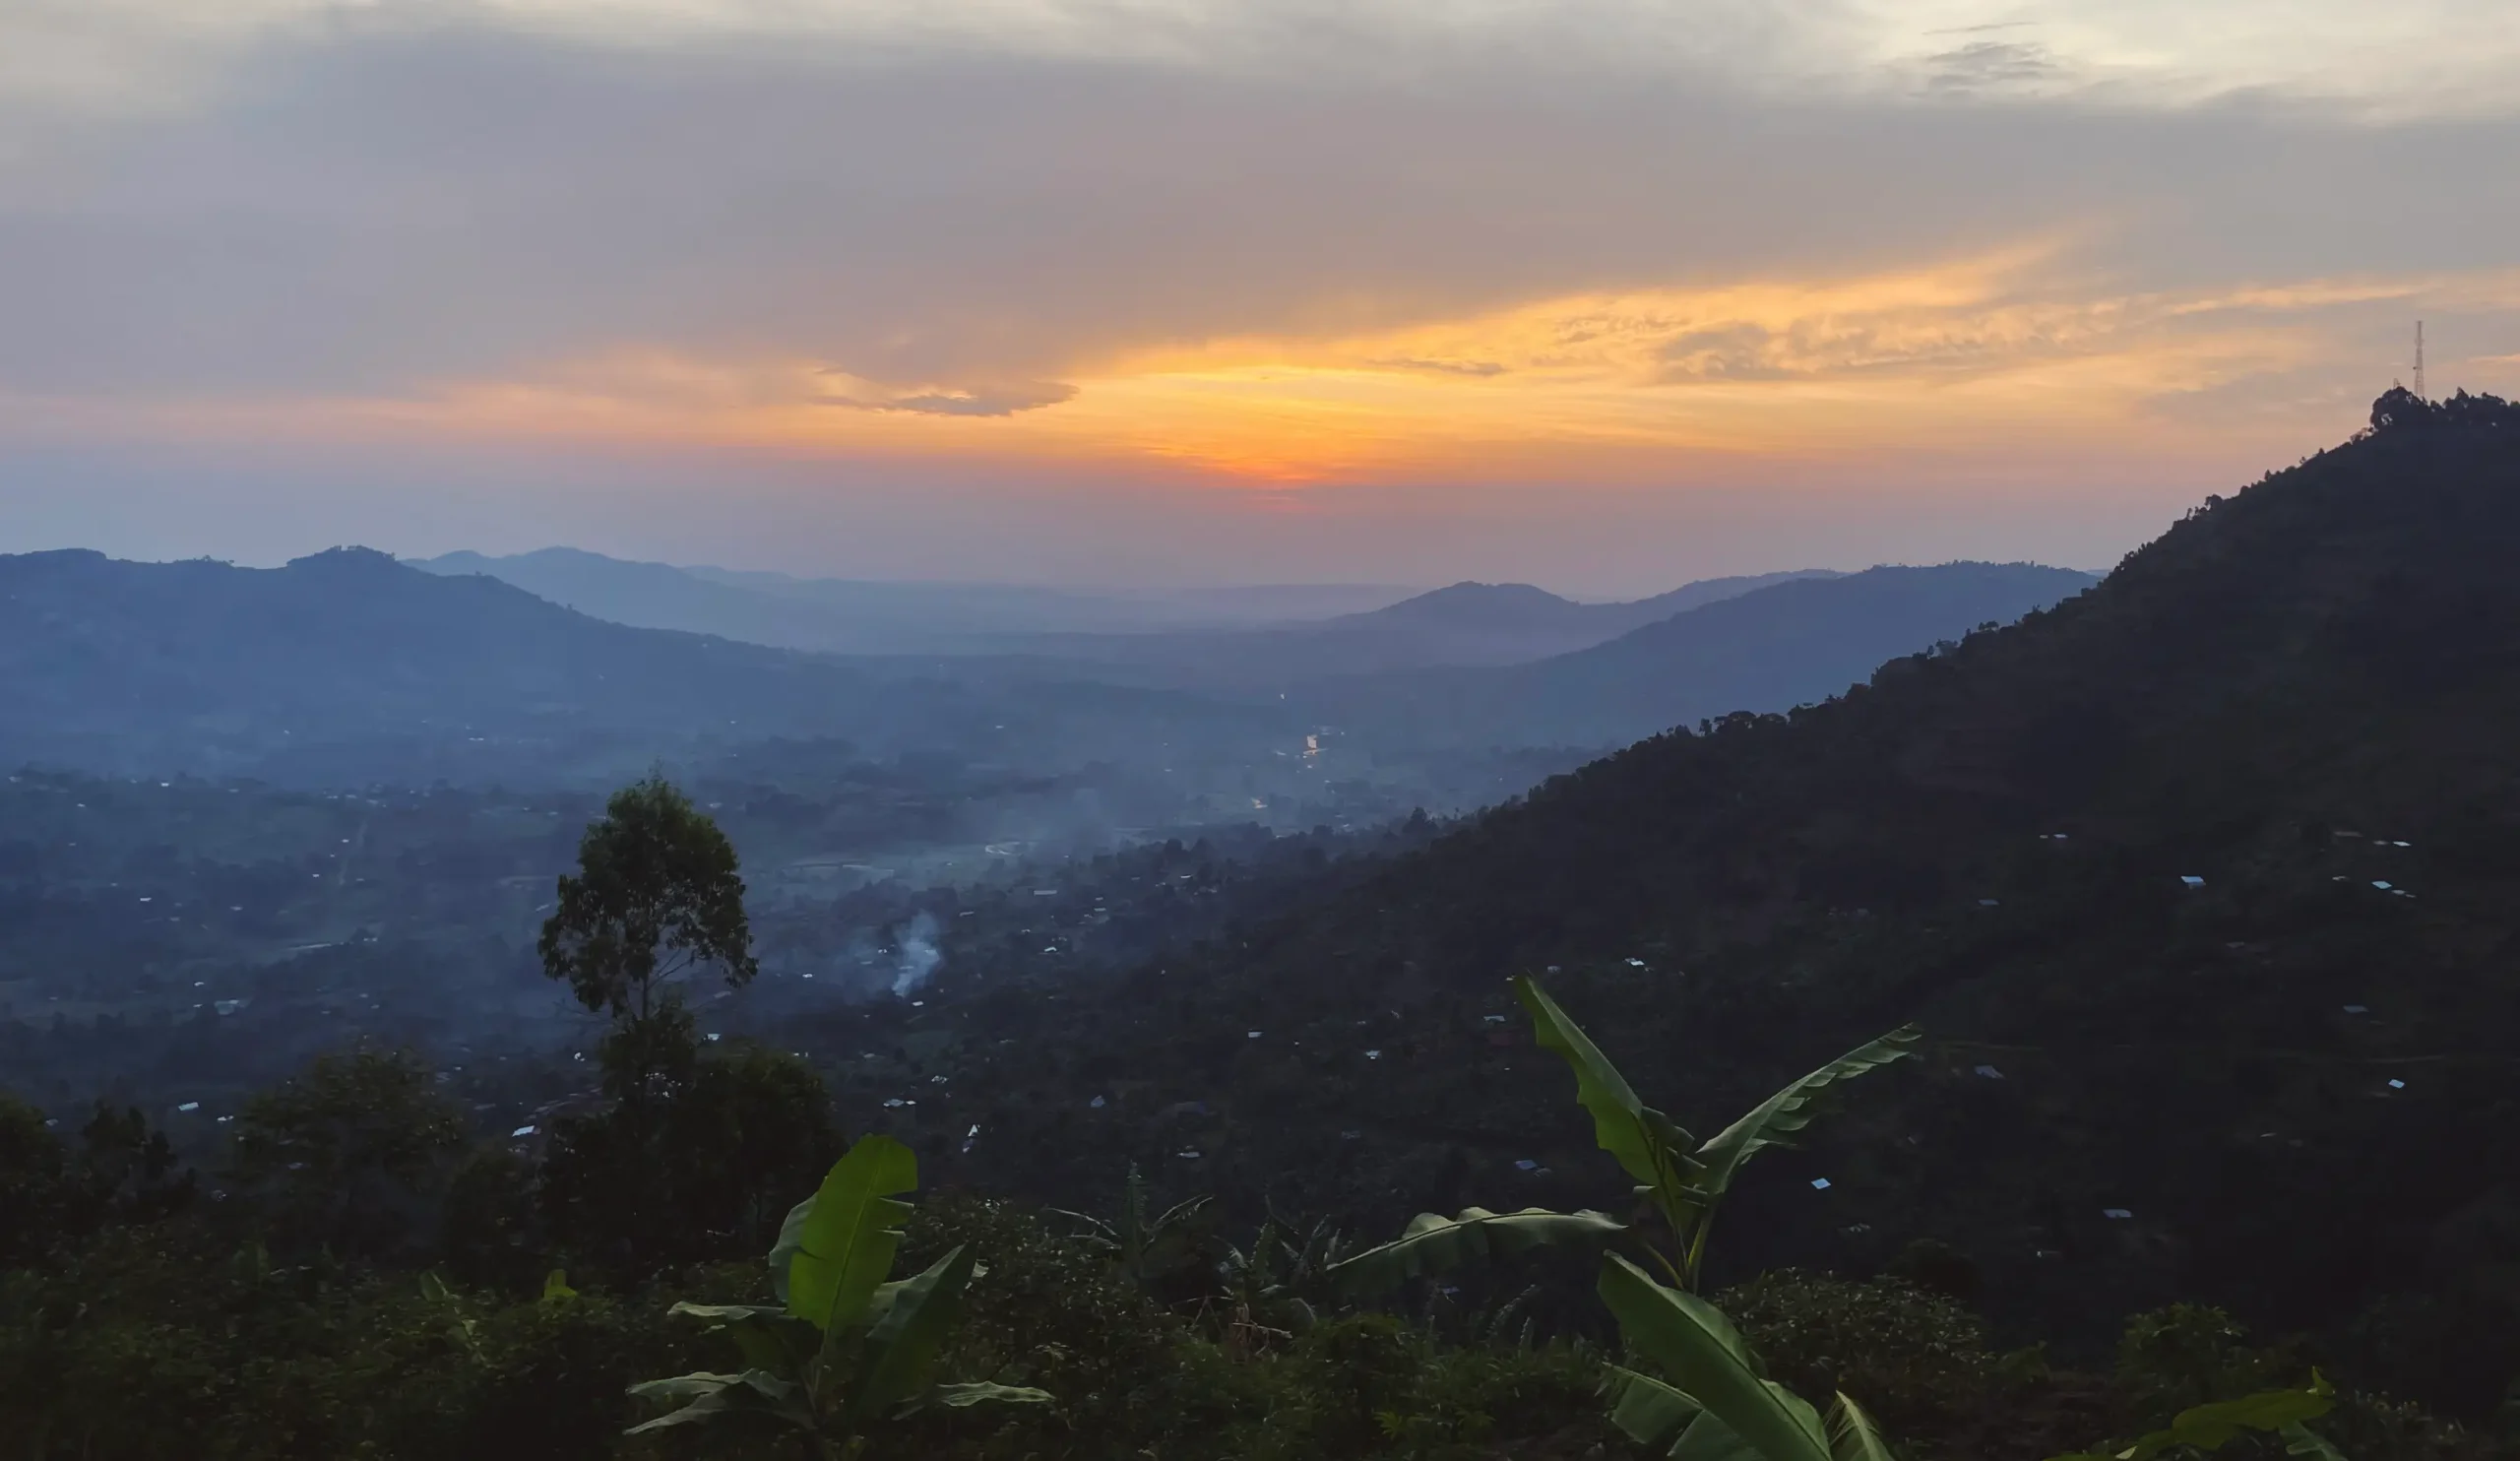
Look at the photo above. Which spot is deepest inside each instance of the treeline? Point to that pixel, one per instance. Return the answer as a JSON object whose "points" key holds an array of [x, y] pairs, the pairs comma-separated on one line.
{"points": [[358, 1274]]}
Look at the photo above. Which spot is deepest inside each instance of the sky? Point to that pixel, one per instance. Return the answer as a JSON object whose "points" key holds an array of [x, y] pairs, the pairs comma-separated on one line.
{"points": [[1603, 294]]}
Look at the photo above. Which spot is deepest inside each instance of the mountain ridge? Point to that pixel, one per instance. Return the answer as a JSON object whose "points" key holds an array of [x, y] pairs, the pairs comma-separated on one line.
{"points": [[1793, 638]]}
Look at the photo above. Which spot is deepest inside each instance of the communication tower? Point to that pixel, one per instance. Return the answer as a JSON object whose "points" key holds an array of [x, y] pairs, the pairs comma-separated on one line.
{"points": [[2418, 362]]}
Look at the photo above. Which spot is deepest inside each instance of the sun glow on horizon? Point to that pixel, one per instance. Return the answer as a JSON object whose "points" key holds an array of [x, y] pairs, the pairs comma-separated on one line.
{"points": [[2005, 347]]}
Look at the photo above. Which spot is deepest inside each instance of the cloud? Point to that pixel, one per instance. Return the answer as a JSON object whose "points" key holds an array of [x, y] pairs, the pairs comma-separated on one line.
{"points": [[1984, 67], [955, 400], [1730, 352], [1476, 370], [1282, 242], [332, 220]]}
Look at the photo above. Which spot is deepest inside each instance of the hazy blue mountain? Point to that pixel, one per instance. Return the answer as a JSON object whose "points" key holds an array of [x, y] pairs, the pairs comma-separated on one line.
{"points": [[656, 596], [999, 609], [350, 665], [1774, 647], [860, 616], [1463, 625]]}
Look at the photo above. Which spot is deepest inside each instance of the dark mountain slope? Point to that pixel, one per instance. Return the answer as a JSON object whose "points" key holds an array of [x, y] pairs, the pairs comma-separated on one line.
{"points": [[2290, 1088], [1770, 648]]}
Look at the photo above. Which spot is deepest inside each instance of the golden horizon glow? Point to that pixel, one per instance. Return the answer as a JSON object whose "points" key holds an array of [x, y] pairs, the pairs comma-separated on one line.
{"points": [[1998, 348]]}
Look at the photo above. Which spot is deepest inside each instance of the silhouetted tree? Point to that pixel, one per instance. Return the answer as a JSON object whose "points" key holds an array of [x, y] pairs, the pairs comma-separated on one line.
{"points": [[656, 899]]}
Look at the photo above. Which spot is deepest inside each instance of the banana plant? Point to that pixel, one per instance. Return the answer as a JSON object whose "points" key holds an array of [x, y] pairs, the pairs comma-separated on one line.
{"points": [[1272, 1286], [847, 1351], [2209, 1428], [1681, 1179], [1144, 1248], [1705, 1397]]}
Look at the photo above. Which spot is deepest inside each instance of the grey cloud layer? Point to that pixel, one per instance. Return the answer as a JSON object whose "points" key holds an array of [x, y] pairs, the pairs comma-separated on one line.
{"points": [[386, 210]]}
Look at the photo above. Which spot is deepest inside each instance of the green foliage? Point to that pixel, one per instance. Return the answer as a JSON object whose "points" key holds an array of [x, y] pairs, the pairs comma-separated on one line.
{"points": [[1369, 1386], [1432, 1244], [837, 1247], [697, 1171], [2211, 1427], [34, 1192], [1679, 1177], [2189, 1354], [1920, 1361], [1705, 1362], [489, 1234], [141, 1335], [128, 1170], [351, 1156], [1278, 1287], [2196, 1365], [1713, 1397], [122, 1171], [655, 897], [1148, 1248], [848, 1352], [1690, 1209], [154, 1341]]}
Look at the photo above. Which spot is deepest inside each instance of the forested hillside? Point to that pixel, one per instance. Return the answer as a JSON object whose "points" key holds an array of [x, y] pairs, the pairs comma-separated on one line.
{"points": [[2203, 885]]}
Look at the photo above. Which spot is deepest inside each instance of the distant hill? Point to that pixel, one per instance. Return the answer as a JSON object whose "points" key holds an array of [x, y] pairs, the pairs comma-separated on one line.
{"points": [[348, 666], [2205, 885], [1784, 644], [658, 596], [1520, 608], [199, 666], [1253, 639], [1465, 625], [853, 616], [1020, 609]]}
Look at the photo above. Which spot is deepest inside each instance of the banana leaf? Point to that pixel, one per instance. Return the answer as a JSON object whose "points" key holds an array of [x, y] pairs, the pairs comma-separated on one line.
{"points": [[1702, 1356], [1788, 1110], [709, 1397], [1708, 1438], [900, 1351], [1852, 1435], [1646, 1410], [837, 1248], [1432, 1243], [2207, 1427], [770, 1337], [1643, 1141], [957, 1395]]}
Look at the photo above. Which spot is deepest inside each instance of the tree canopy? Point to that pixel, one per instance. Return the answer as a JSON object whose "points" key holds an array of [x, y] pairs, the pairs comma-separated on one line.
{"points": [[656, 897]]}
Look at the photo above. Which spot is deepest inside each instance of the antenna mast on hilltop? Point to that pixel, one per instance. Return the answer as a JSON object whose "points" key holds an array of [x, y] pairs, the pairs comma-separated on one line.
{"points": [[2418, 362]]}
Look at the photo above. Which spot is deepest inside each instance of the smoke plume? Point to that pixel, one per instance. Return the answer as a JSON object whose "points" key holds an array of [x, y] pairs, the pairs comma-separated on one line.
{"points": [[919, 955]]}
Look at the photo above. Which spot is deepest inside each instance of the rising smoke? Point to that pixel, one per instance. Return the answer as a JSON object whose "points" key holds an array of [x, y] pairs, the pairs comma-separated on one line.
{"points": [[919, 955]]}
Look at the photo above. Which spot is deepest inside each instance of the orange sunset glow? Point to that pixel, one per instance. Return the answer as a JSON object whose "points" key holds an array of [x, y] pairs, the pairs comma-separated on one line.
{"points": [[946, 260]]}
